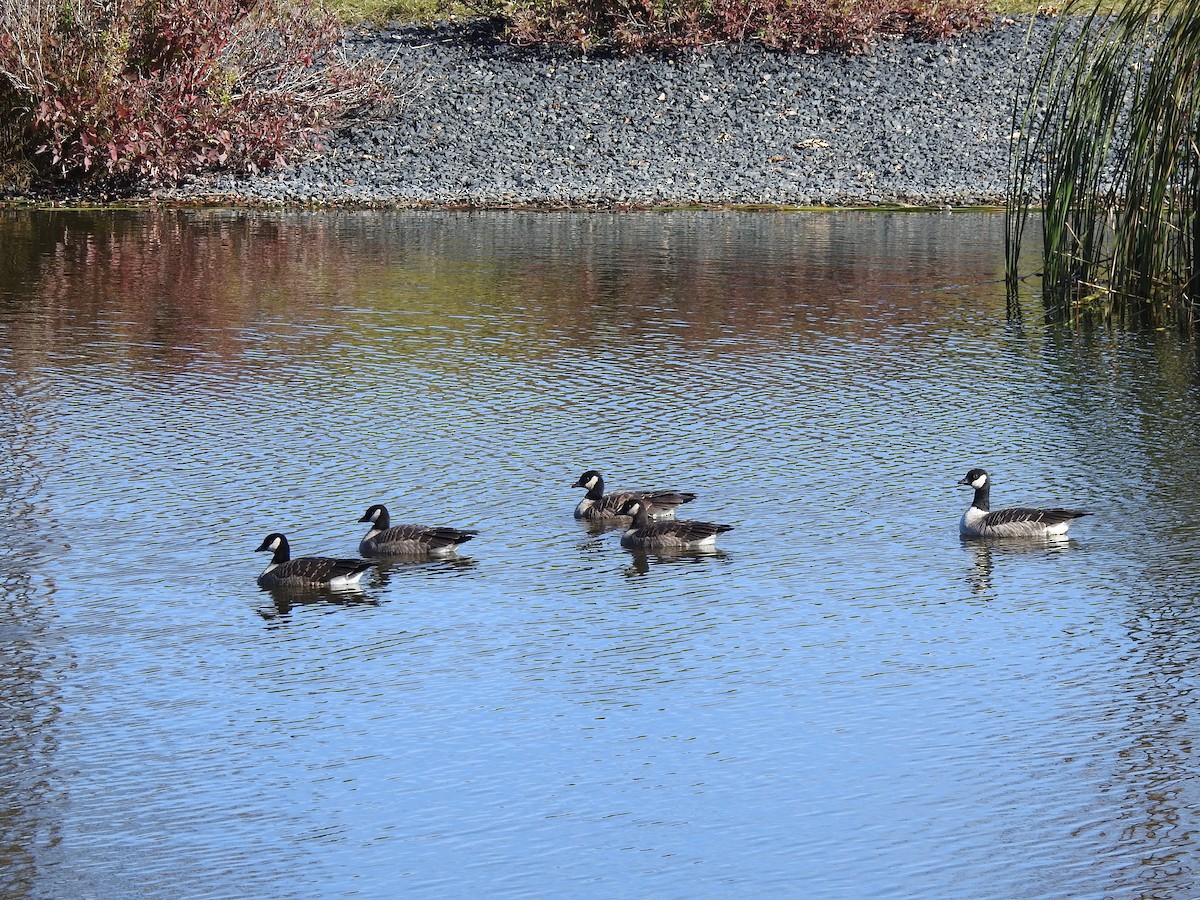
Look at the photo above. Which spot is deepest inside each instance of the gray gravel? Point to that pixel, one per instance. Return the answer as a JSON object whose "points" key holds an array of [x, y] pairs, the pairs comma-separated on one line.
{"points": [[487, 125]]}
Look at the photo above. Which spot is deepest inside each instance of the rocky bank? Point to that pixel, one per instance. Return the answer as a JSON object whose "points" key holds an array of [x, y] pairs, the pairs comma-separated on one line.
{"points": [[484, 124]]}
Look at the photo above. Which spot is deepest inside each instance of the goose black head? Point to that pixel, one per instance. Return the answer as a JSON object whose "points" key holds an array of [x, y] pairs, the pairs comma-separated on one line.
{"points": [[976, 478], [273, 542], [632, 506], [588, 479], [375, 513]]}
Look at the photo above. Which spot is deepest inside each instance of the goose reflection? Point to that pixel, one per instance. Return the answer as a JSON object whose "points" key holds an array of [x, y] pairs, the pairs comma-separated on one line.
{"points": [[641, 560], [598, 528], [985, 551], [284, 601], [445, 566]]}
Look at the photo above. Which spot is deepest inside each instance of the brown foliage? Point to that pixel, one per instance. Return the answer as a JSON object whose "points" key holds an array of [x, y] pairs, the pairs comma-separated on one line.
{"points": [[117, 92], [811, 25]]}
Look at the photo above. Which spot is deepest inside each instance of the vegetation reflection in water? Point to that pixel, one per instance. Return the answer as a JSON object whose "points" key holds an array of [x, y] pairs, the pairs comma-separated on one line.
{"points": [[845, 697]]}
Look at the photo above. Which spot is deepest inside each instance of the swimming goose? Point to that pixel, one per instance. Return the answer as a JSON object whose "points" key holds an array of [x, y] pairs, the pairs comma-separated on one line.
{"points": [[670, 534], [386, 539], [598, 506], [980, 521], [307, 571]]}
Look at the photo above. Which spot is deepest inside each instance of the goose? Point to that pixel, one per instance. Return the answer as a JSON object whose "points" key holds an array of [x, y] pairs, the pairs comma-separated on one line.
{"points": [[669, 534], [307, 571], [980, 521], [597, 506], [386, 539]]}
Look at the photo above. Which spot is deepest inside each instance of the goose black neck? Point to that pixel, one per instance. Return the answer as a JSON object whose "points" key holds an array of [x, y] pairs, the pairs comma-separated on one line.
{"points": [[983, 497], [642, 517], [282, 553], [596, 491], [383, 521]]}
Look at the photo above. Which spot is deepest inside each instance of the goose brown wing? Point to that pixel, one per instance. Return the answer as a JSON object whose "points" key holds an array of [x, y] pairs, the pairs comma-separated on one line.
{"points": [[320, 569], [700, 530], [668, 499], [1020, 514], [435, 537], [611, 504], [445, 537], [686, 530]]}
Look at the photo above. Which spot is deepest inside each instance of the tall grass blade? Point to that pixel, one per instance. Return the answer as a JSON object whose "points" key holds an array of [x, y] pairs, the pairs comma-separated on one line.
{"points": [[1107, 146]]}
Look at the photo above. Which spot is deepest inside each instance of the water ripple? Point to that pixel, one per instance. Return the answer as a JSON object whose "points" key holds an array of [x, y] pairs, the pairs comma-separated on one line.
{"points": [[846, 695]]}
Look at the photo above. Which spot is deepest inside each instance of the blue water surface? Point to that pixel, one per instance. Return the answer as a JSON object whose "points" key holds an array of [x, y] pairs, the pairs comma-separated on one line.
{"points": [[845, 701]]}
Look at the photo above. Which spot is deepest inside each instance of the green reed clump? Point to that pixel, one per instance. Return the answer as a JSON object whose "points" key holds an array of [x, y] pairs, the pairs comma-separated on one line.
{"points": [[1107, 144]]}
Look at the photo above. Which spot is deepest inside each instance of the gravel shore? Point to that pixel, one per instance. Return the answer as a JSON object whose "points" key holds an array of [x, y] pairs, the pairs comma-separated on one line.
{"points": [[489, 125]]}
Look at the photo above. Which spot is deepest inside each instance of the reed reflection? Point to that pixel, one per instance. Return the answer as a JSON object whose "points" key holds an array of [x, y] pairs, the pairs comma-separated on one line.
{"points": [[1139, 393], [1157, 753]]}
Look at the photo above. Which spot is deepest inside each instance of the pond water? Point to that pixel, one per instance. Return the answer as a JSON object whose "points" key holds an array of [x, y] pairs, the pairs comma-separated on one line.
{"points": [[846, 700]]}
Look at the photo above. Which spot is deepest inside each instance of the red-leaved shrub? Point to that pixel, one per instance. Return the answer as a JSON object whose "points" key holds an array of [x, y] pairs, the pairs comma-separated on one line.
{"points": [[635, 25], [122, 91]]}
